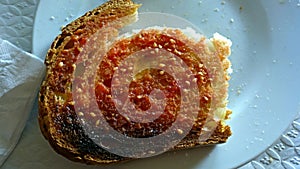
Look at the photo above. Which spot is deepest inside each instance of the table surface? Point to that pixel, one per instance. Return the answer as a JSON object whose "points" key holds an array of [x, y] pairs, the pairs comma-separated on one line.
{"points": [[16, 25]]}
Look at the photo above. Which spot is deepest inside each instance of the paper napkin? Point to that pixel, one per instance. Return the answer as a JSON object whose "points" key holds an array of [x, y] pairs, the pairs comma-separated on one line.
{"points": [[20, 76]]}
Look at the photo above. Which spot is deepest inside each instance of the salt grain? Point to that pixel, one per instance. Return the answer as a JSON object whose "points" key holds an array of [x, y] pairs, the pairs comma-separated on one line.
{"points": [[216, 9], [97, 122], [93, 114], [61, 64], [179, 131], [162, 65]]}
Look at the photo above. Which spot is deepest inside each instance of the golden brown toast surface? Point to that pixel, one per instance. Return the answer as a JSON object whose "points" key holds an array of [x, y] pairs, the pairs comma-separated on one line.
{"points": [[62, 114]]}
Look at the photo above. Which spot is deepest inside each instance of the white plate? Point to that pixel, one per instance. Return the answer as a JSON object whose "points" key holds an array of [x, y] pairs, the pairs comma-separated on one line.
{"points": [[264, 94]]}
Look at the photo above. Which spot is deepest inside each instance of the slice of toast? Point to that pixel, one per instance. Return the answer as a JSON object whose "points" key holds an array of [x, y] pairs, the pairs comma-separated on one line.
{"points": [[60, 111]]}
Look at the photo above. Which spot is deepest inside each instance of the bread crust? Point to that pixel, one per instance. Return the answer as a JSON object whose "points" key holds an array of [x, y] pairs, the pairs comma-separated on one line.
{"points": [[57, 118]]}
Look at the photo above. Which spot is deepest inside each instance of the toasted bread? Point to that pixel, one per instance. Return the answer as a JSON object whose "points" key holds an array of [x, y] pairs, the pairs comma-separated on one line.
{"points": [[62, 126]]}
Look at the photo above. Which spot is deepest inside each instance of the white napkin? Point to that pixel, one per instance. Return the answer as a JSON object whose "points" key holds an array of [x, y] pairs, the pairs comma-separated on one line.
{"points": [[20, 76]]}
